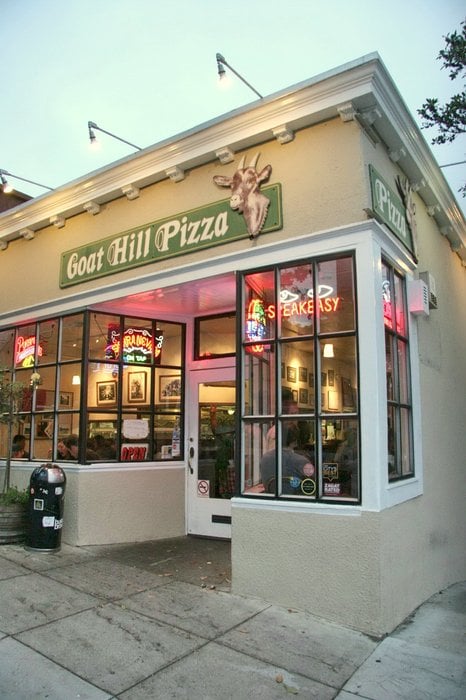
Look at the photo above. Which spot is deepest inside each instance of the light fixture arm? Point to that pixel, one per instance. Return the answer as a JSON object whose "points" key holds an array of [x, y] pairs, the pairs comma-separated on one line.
{"points": [[221, 61], [17, 177], [92, 125]]}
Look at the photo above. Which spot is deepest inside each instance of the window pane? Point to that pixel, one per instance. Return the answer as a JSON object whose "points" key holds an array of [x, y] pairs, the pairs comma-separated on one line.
{"points": [[171, 339], [259, 311], [137, 387], [71, 337], [296, 301], [389, 366], [344, 481], [168, 387], [403, 372], [392, 432], [259, 383], [297, 383], [406, 446], [339, 379], [255, 444], [69, 395], [25, 346], [400, 306], [104, 337], [102, 436], [6, 348], [48, 342], [138, 341], [102, 386], [215, 336], [335, 306], [43, 428]]}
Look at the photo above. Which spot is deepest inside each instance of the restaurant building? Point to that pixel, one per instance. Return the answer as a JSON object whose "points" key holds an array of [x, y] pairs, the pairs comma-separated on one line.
{"points": [[255, 330]]}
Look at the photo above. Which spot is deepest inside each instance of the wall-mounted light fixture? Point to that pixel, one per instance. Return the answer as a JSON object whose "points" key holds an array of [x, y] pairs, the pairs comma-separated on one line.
{"points": [[7, 187], [328, 350], [93, 139], [221, 62], [76, 380]]}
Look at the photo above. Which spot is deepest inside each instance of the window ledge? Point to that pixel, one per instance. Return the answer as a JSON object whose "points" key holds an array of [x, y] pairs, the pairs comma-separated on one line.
{"points": [[296, 507]]}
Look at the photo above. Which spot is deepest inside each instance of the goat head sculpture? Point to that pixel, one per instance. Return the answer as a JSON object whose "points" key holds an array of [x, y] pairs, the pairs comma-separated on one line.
{"points": [[246, 197]]}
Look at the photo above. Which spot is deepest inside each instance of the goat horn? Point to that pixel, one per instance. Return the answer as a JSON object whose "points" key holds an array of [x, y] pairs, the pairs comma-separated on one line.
{"points": [[241, 163], [253, 162]]}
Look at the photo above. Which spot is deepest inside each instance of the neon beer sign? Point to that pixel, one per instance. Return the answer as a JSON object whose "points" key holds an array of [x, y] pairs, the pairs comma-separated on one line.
{"points": [[25, 351], [138, 345]]}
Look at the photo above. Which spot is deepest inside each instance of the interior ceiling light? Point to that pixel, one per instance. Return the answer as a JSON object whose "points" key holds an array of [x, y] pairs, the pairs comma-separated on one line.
{"points": [[93, 139], [328, 350], [7, 187], [221, 63]]}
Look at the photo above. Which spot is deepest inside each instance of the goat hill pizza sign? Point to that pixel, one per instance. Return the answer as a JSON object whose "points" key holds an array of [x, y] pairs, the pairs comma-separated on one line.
{"points": [[183, 233]]}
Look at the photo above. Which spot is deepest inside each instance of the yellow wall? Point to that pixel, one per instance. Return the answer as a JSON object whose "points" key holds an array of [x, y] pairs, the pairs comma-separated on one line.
{"points": [[323, 182]]}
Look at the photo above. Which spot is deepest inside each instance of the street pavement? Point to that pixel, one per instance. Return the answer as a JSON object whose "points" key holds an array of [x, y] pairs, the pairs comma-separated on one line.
{"points": [[158, 620]]}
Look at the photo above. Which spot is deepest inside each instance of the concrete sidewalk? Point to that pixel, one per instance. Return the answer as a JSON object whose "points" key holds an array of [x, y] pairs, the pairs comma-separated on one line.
{"points": [[158, 620]]}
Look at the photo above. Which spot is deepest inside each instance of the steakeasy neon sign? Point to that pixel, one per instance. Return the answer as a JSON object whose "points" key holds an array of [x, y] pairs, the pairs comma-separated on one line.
{"points": [[292, 305]]}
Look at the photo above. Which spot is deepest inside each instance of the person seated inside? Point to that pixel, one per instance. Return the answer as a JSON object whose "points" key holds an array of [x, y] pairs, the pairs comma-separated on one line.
{"points": [[295, 466], [72, 443], [62, 451], [18, 448]]}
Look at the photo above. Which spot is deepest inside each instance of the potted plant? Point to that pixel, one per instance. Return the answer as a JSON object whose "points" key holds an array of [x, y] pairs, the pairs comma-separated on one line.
{"points": [[13, 503], [223, 428]]}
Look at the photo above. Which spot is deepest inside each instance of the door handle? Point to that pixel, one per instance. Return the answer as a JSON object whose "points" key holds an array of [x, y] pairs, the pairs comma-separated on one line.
{"points": [[191, 455]]}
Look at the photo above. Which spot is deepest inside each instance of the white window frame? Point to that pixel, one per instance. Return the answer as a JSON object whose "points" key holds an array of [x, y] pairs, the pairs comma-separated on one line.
{"points": [[370, 242]]}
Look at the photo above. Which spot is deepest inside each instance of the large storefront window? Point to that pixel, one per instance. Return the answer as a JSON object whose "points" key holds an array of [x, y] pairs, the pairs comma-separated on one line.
{"points": [[399, 414], [49, 413], [127, 373], [300, 415]]}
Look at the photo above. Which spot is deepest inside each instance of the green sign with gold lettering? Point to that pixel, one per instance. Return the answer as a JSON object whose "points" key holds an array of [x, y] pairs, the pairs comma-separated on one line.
{"points": [[188, 232]]}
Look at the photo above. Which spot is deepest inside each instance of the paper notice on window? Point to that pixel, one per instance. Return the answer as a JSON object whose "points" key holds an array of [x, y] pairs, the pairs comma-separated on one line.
{"points": [[135, 429]]}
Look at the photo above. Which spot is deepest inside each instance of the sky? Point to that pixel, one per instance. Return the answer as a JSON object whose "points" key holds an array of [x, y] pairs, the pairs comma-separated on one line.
{"points": [[145, 70]]}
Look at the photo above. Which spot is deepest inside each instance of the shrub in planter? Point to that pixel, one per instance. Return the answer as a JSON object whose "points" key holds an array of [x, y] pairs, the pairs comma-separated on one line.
{"points": [[13, 515]]}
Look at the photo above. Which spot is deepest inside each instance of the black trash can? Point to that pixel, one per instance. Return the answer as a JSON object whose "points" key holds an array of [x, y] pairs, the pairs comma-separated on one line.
{"points": [[46, 501]]}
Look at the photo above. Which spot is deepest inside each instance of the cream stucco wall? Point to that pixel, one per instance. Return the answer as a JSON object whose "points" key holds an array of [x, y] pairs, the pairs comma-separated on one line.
{"points": [[127, 505], [369, 570]]}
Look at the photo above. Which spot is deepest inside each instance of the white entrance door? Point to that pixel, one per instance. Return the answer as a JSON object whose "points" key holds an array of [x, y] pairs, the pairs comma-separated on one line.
{"points": [[211, 452]]}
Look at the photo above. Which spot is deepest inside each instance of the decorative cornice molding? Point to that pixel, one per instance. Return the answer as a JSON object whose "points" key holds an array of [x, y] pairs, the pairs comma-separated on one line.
{"points": [[92, 208], [283, 134]]}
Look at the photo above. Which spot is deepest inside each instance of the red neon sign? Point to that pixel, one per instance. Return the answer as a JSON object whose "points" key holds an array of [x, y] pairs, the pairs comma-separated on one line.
{"points": [[290, 306], [25, 351]]}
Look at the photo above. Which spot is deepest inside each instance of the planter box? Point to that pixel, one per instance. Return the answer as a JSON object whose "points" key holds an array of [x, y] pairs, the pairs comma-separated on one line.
{"points": [[13, 523]]}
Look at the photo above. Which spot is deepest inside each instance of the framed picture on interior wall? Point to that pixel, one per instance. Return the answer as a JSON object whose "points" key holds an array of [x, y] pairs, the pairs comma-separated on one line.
{"points": [[65, 399], [295, 395], [170, 387], [106, 393], [304, 396], [283, 370], [311, 379], [333, 402], [323, 378], [137, 389], [303, 374], [331, 377], [347, 394], [291, 374]]}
